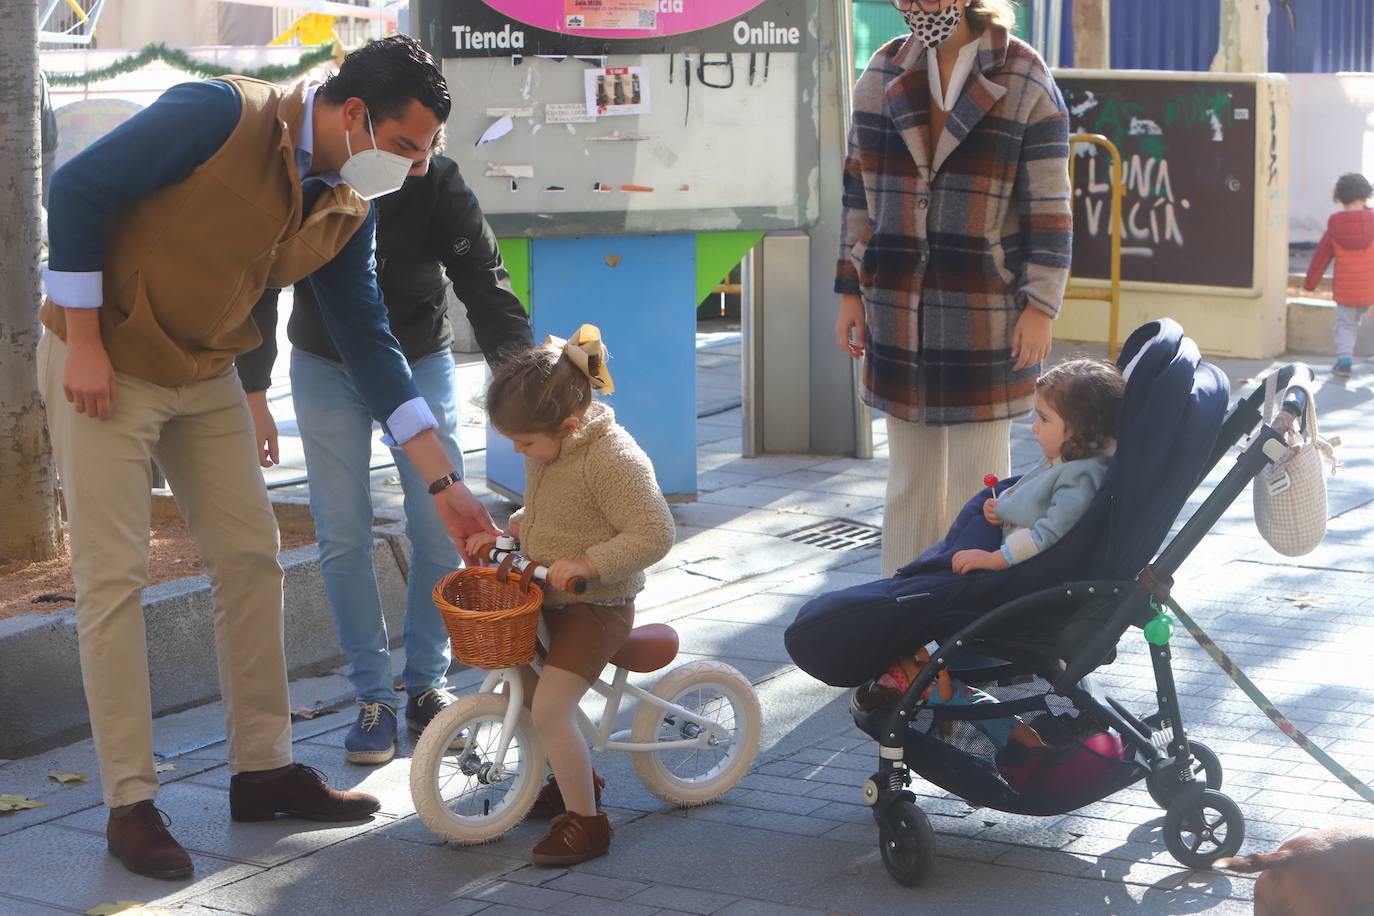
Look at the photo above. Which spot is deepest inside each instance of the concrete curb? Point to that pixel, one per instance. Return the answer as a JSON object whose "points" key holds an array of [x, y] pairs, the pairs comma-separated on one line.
{"points": [[42, 704]]}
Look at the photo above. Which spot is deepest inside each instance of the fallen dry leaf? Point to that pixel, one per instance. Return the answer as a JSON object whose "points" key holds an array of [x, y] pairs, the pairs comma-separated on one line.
{"points": [[309, 712], [10, 803], [123, 907], [66, 778]]}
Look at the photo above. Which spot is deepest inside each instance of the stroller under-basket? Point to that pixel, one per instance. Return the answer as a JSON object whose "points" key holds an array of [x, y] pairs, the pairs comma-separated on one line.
{"points": [[1031, 635]]}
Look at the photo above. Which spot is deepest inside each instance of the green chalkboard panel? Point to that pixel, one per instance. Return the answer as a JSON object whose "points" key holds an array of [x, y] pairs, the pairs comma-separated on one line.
{"points": [[1188, 150]]}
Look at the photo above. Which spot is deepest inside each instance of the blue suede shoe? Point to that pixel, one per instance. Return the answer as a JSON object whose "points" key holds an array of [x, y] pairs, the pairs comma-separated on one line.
{"points": [[1343, 368], [372, 740], [421, 710]]}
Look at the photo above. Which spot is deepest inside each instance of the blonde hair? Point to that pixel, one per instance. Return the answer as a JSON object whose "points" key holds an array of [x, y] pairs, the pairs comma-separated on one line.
{"points": [[535, 390], [1000, 13]]}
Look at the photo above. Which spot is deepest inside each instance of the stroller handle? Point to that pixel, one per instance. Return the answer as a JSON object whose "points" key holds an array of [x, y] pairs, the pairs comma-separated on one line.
{"points": [[509, 547], [1294, 397]]}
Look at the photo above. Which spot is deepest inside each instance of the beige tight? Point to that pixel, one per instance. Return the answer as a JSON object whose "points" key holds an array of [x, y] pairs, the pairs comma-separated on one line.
{"points": [[552, 699]]}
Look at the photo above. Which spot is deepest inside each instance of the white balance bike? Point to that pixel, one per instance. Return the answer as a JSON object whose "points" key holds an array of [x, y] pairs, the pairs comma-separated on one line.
{"points": [[693, 737]]}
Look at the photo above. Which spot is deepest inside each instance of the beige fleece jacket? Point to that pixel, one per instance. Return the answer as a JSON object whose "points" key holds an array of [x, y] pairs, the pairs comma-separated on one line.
{"points": [[600, 498]]}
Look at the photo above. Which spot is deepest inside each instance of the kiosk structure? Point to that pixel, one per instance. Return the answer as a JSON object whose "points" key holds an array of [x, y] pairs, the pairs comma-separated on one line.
{"points": [[628, 153]]}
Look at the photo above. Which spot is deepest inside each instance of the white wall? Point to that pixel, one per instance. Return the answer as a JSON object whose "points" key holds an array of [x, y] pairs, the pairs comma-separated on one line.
{"points": [[1333, 133]]}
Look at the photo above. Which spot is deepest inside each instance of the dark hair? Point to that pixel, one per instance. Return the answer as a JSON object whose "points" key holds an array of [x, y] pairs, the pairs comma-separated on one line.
{"points": [[1352, 187], [1087, 394], [387, 74], [535, 390]]}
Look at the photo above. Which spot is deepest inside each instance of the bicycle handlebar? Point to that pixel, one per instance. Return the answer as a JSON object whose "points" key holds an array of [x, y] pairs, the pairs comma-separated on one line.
{"points": [[499, 553]]}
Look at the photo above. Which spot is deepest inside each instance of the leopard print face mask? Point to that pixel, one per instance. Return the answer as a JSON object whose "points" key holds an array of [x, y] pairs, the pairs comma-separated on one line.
{"points": [[931, 29]]}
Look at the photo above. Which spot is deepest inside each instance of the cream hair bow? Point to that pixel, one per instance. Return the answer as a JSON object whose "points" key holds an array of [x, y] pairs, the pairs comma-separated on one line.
{"points": [[588, 353]]}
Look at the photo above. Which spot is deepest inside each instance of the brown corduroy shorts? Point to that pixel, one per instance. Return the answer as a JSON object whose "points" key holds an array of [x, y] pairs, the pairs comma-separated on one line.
{"points": [[583, 637]]}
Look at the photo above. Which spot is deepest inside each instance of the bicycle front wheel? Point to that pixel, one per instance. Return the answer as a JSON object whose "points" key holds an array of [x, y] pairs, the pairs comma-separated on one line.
{"points": [[698, 775], [467, 796]]}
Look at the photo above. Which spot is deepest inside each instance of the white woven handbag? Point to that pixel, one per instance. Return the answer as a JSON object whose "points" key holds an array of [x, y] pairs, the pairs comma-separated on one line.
{"points": [[1290, 494]]}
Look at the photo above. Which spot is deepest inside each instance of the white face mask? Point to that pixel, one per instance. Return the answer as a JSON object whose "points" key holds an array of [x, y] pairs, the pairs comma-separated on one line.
{"points": [[931, 29], [373, 172]]}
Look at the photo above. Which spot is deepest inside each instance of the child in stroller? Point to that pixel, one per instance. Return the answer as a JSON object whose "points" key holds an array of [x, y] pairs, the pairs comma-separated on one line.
{"points": [[1031, 635], [1077, 406]]}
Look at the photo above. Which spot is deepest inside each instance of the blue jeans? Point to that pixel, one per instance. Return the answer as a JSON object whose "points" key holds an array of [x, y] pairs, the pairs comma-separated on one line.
{"points": [[336, 431]]}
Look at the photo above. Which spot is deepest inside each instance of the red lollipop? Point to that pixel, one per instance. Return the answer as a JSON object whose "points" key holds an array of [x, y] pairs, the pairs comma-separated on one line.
{"points": [[990, 480]]}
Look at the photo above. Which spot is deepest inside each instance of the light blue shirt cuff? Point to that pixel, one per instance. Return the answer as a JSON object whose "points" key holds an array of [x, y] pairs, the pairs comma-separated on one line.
{"points": [[408, 421], [1006, 555], [73, 289]]}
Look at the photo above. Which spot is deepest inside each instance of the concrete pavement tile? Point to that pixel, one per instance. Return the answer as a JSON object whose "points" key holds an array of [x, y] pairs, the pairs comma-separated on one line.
{"points": [[863, 467], [672, 585], [682, 899], [72, 869], [732, 640], [501, 909], [781, 768], [514, 894], [962, 847], [600, 906], [856, 813], [1054, 861], [814, 481], [345, 878], [765, 908], [596, 886], [201, 823], [723, 812], [810, 586], [462, 906], [536, 875], [821, 505], [15, 906], [777, 801], [651, 850], [783, 822]]}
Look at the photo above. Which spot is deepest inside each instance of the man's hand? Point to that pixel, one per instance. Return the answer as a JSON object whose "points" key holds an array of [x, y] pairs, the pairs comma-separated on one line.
{"points": [[851, 318], [513, 528], [463, 516], [1032, 337], [966, 561], [562, 572], [89, 379], [990, 511], [479, 545], [264, 429]]}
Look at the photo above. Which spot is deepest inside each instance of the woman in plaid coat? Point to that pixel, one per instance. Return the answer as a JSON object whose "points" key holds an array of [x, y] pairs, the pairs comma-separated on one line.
{"points": [[955, 252]]}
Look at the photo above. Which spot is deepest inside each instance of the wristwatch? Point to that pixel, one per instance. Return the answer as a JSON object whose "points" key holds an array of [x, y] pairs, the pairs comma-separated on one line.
{"points": [[443, 483]]}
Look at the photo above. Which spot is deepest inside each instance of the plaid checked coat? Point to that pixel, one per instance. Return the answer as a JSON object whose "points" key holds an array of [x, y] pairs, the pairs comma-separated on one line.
{"points": [[946, 249]]}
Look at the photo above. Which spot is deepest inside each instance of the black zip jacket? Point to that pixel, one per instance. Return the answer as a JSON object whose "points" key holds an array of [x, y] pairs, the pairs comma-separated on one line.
{"points": [[431, 227]]}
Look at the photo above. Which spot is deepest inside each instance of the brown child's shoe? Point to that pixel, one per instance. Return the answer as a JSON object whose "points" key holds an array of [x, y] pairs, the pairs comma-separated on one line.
{"points": [[139, 838], [550, 800], [296, 791], [573, 838]]}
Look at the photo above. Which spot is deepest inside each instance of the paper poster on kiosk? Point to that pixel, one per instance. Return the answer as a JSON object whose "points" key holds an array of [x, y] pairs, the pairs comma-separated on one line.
{"points": [[610, 14], [617, 91]]}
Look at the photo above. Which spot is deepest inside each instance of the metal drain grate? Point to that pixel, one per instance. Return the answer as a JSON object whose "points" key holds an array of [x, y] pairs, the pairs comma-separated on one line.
{"points": [[838, 535]]}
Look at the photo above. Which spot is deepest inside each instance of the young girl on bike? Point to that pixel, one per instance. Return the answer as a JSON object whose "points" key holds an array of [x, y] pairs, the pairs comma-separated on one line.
{"points": [[593, 509]]}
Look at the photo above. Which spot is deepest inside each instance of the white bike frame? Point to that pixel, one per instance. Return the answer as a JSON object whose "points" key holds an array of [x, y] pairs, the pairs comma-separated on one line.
{"points": [[598, 734]]}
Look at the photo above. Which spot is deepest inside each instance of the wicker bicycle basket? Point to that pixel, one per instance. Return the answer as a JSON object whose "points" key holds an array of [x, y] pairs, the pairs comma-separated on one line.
{"points": [[492, 616]]}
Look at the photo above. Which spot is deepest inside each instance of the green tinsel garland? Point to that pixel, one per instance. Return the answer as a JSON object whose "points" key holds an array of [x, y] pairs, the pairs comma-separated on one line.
{"points": [[182, 61]]}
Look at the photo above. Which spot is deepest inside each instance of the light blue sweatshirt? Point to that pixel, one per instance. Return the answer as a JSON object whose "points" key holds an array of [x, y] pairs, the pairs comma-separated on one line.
{"points": [[1045, 503]]}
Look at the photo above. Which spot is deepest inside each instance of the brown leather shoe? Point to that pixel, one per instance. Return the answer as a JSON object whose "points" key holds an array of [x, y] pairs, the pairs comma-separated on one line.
{"points": [[573, 838], [296, 791], [140, 840], [550, 800]]}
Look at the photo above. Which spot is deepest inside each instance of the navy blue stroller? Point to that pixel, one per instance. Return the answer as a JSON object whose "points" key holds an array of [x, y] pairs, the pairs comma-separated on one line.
{"points": [[1030, 636]]}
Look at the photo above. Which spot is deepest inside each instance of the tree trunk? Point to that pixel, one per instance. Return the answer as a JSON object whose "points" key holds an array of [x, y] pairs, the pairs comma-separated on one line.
{"points": [[1091, 35], [30, 525]]}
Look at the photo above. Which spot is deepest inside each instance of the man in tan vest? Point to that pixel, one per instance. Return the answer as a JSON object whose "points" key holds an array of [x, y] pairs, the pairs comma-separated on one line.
{"points": [[163, 235]]}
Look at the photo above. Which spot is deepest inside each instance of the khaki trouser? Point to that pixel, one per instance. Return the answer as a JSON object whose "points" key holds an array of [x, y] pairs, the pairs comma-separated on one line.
{"points": [[933, 471], [201, 436]]}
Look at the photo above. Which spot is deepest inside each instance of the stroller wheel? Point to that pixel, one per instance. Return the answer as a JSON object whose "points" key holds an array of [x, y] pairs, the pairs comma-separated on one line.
{"points": [[1203, 831], [1205, 765], [907, 843]]}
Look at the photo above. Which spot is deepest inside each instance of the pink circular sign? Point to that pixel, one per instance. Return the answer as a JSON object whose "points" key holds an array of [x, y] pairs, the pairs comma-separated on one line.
{"points": [[674, 17]]}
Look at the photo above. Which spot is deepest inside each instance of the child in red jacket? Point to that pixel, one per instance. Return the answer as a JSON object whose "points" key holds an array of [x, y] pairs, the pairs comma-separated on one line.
{"points": [[1350, 238]]}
